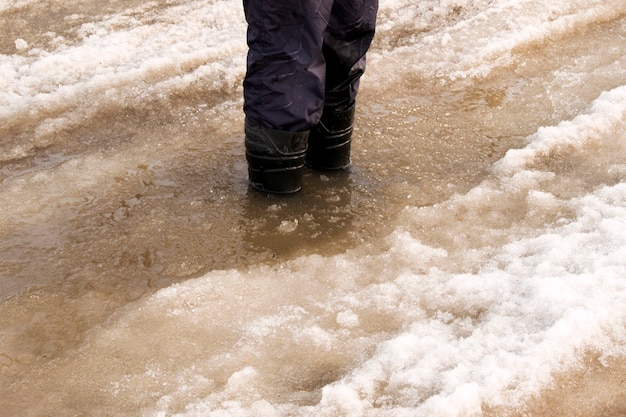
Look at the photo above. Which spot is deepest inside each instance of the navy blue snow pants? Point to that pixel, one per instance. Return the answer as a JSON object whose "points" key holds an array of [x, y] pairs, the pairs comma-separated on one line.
{"points": [[304, 55]]}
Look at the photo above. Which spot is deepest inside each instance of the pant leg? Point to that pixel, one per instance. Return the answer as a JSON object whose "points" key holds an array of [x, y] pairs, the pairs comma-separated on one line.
{"points": [[348, 37], [286, 72]]}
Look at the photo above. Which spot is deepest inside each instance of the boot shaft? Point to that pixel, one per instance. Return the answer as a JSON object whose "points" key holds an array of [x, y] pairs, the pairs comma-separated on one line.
{"points": [[330, 141], [275, 158]]}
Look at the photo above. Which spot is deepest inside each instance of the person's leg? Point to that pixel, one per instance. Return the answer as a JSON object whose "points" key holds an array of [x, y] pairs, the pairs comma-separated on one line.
{"points": [[285, 78], [348, 37], [283, 87]]}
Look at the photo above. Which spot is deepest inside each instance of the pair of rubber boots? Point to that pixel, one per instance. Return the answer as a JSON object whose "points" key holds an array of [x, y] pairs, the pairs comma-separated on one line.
{"points": [[276, 158]]}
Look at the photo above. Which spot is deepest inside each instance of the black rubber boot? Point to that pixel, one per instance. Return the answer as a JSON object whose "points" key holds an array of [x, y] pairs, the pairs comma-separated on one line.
{"points": [[329, 141], [275, 158]]}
